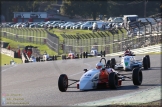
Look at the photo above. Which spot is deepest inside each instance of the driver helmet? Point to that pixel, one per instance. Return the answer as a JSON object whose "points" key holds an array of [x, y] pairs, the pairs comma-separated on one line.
{"points": [[99, 65]]}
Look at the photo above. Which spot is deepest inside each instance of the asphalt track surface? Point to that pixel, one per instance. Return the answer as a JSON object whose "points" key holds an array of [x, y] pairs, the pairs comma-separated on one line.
{"points": [[36, 84]]}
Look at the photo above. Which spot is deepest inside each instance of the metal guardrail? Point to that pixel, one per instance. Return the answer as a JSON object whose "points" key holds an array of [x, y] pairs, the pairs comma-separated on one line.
{"points": [[7, 52], [110, 45]]}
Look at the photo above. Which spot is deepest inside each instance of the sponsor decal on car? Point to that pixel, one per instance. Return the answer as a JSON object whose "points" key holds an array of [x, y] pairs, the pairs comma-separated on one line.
{"points": [[126, 63]]}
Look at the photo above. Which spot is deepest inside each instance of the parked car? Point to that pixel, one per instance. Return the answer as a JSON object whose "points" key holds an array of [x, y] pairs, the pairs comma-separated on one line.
{"points": [[87, 24], [64, 25], [99, 25], [77, 26], [69, 25]]}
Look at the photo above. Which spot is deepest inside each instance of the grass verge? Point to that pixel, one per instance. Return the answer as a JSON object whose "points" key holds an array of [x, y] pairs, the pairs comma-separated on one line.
{"points": [[42, 48], [6, 60]]}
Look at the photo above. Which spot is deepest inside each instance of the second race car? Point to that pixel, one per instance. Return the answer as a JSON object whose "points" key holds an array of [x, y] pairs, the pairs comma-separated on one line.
{"points": [[129, 63]]}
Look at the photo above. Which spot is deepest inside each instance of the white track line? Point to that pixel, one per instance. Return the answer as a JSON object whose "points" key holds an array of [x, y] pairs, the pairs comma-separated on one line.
{"points": [[9, 68]]}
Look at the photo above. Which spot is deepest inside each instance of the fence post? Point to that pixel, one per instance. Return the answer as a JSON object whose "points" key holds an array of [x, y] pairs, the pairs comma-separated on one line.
{"points": [[58, 46], [39, 36], [113, 43]]}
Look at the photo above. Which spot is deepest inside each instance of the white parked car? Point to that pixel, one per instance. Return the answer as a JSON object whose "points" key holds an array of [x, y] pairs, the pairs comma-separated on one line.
{"points": [[87, 24]]}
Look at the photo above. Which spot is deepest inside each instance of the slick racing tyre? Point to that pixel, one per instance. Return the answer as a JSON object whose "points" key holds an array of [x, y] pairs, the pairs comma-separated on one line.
{"points": [[63, 82], [137, 76], [148, 60], [112, 63], [145, 63], [108, 64], [113, 80]]}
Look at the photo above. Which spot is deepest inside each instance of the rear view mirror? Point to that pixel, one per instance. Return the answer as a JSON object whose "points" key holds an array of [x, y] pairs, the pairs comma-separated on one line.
{"points": [[85, 70]]}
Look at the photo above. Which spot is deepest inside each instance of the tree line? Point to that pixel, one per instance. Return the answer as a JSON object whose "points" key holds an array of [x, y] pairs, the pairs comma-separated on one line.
{"points": [[84, 8]]}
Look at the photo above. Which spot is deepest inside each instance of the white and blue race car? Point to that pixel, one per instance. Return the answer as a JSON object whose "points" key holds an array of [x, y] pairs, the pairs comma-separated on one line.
{"points": [[129, 62]]}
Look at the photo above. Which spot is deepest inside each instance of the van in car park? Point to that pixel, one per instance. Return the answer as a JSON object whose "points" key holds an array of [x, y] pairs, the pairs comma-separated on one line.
{"points": [[99, 25], [128, 19]]}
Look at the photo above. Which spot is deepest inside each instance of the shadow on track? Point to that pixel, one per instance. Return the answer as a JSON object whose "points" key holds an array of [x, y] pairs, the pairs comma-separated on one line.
{"points": [[129, 87], [151, 85], [155, 68]]}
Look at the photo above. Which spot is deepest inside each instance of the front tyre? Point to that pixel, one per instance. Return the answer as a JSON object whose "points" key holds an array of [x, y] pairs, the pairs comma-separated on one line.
{"points": [[108, 64], [137, 76], [113, 80], [145, 63], [148, 60], [63, 82], [112, 63]]}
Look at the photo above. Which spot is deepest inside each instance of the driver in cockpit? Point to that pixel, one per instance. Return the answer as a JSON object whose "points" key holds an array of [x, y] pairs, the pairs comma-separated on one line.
{"points": [[128, 52]]}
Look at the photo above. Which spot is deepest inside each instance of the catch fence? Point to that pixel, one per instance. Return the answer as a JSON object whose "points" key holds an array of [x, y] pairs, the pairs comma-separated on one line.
{"points": [[115, 40], [110, 41], [32, 35]]}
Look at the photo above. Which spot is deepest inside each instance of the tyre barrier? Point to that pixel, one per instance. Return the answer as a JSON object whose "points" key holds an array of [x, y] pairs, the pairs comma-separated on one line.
{"points": [[86, 54], [63, 57], [26, 61], [77, 55], [103, 53], [81, 55], [55, 57]]}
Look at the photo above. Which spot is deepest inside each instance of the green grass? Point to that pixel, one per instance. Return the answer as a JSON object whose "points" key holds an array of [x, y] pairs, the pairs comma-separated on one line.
{"points": [[6, 60], [58, 32], [42, 48]]}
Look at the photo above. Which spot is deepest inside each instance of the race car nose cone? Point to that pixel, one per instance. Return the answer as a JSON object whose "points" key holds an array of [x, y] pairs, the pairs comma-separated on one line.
{"points": [[85, 84]]}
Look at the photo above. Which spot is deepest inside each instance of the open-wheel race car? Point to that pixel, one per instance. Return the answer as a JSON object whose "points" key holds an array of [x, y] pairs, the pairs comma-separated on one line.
{"points": [[129, 63], [100, 77], [72, 55]]}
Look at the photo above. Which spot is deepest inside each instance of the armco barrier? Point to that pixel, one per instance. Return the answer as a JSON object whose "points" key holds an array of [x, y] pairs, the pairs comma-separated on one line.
{"points": [[8, 52]]}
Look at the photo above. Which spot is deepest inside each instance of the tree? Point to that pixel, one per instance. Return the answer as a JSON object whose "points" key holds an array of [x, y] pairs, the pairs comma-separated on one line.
{"points": [[14, 6], [84, 8]]}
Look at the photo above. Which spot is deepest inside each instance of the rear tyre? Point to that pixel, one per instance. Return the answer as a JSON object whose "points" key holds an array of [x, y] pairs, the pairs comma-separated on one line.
{"points": [[108, 64], [112, 63], [145, 63], [113, 80], [148, 60], [137, 76], [63, 82]]}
